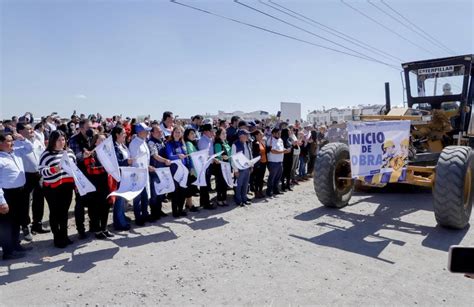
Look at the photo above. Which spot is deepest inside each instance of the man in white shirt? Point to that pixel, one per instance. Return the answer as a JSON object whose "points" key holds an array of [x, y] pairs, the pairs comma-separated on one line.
{"points": [[31, 163], [275, 162], [140, 154], [14, 200]]}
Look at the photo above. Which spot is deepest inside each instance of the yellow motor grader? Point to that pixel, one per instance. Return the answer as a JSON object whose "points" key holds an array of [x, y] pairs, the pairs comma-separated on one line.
{"points": [[440, 149]]}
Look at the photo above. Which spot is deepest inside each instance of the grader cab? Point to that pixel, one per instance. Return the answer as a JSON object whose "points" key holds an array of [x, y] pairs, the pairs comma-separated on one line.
{"points": [[437, 153]]}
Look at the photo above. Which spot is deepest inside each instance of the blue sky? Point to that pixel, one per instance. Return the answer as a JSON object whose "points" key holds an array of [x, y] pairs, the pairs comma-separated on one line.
{"points": [[145, 57]]}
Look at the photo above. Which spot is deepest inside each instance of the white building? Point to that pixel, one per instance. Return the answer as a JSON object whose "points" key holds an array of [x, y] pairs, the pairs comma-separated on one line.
{"points": [[327, 117], [244, 115]]}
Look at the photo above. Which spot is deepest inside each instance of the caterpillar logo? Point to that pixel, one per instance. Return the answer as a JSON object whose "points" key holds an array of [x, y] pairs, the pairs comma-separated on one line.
{"points": [[435, 70]]}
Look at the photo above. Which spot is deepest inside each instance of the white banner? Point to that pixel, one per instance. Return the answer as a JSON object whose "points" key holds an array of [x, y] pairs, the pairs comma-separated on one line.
{"points": [[166, 184], [199, 159], [133, 182], [378, 148], [241, 161], [181, 175], [201, 180], [106, 154], [83, 184], [227, 173]]}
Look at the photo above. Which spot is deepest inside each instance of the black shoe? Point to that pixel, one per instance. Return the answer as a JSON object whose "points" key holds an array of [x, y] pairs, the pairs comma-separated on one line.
{"points": [[100, 236], [27, 234], [183, 213], [175, 214], [124, 228], [20, 248], [38, 228], [13, 256], [277, 193], [108, 234], [152, 218], [82, 235], [194, 209], [68, 241], [162, 214], [248, 203], [140, 222], [241, 205], [61, 244], [209, 207], [290, 189]]}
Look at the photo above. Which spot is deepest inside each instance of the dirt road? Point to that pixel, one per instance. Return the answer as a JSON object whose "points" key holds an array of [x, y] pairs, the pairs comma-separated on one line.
{"points": [[383, 249]]}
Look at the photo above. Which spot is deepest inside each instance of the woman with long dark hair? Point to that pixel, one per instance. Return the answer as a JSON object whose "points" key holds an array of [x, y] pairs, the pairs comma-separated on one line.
{"points": [[287, 161], [191, 146], [99, 207], [220, 144], [176, 150], [119, 136], [259, 150], [58, 186]]}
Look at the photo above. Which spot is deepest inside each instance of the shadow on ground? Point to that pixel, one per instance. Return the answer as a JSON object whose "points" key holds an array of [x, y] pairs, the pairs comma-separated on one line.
{"points": [[363, 238]]}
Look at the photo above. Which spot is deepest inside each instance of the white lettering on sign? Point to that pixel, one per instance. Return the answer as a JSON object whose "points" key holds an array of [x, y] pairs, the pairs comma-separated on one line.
{"points": [[435, 70]]}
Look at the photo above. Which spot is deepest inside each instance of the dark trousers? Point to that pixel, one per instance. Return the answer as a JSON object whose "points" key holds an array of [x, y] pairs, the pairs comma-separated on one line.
{"points": [[177, 199], [275, 170], [156, 201], [258, 174], [80, 211], [98, 206], [204, 199], [33, 186], [221, 186], [59, 200], [140, 206], [9, 233], [287, 167], [311, 161], [17, 201]]}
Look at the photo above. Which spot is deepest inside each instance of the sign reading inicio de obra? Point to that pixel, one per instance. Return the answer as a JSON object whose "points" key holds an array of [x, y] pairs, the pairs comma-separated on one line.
{"points": [[379, 150]]}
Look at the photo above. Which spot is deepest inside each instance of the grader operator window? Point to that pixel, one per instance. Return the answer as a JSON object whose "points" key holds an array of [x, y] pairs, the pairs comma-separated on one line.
{"points": [[437, 81]]}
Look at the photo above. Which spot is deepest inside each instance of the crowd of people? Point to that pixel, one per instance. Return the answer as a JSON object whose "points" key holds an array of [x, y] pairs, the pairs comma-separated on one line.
{"points": [[30, 169]]}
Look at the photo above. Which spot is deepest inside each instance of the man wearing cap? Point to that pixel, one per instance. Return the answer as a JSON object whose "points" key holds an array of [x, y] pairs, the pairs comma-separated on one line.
{"points": [[275, 161], [140, 154], [31, 163], [157, 151], [206, 142], [243, 176]]}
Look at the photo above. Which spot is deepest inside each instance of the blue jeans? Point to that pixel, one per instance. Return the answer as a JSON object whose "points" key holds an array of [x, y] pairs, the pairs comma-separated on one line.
{"points": [[302, 168], [140, 206], [242, 186], [119, 213], [275, 171]]}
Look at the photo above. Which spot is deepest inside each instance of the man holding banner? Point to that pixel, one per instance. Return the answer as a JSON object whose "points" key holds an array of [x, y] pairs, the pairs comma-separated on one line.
{"points": [[242, 171], [157, 148], [140, 154], [206, 142]]}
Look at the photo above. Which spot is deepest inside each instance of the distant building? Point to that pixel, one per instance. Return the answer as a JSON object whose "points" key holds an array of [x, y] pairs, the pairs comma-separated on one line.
{"points": [[244, 115], [327, 117]]}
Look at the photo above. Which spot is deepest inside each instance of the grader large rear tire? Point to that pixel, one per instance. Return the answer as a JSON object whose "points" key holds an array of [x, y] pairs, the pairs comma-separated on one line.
{"points": [[453, 187], [332, 162]]}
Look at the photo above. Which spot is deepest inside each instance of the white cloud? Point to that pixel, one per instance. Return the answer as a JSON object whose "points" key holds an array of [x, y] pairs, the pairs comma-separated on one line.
{"points": [[80, 96]]}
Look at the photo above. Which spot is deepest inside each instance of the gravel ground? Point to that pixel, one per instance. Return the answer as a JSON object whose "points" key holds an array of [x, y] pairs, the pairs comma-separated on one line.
{"points": [[383, 249]]}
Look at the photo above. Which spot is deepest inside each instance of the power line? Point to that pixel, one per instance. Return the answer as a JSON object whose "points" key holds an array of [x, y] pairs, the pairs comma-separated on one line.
{"points": [[403, 24], [385, 27], [440, 44], [312, 33], [275, 32], [330, 30]]}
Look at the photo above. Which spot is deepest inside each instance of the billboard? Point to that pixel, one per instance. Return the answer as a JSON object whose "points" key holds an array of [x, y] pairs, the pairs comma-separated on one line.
{"points": [[290, 111]]}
